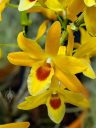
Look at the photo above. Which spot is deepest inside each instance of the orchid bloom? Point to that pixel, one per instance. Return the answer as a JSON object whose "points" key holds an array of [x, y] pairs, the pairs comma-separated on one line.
{"points": [[16, 125], [46, 63], [84, 50], [88, 7], [55, 99], [2, 7]]}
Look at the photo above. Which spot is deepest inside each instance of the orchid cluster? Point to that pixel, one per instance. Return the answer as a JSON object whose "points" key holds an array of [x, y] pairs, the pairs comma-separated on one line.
{"points": [[53, 80]]}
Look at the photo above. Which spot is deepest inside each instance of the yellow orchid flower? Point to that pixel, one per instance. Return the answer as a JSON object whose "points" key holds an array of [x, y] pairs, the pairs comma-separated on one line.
{"points": [[46, 62], [15, 125], [88, 7], [55, 99], [2, 7], [85, 50]]}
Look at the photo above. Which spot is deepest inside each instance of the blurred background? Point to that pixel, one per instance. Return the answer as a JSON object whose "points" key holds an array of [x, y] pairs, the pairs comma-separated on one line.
{"points": [[13, 85]]}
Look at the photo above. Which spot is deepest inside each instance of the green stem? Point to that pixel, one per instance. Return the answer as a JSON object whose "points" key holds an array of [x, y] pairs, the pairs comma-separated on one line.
{"points": [[79, 21], [63, 37], [8, 45], [13, 5]]}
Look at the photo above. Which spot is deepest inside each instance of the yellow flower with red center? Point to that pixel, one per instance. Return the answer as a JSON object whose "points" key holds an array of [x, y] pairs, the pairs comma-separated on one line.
{"points": [[3, 4], [55, 99], [15, 125], [46, 63]]}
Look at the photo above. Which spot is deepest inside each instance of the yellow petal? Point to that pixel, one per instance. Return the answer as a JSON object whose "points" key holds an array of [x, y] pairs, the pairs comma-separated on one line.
{"points": [[42, 29], [15, 125], [32, 102], [90, 20], [56, 109], [90, 3], [30, 46], [89, 71], [70, 64], [0, 53], [54, 5], [62, 50], [76, 99], [74, 7], [53, 39], [40, 78], [87, 49], [26, 4], [20, 58], [71, 82], [70, 41], [45, 11], [85, 37]]}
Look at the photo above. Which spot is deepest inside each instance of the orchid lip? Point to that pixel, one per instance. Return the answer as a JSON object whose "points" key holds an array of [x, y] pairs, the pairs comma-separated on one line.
{"points": [[43, 71], [55, 101]]}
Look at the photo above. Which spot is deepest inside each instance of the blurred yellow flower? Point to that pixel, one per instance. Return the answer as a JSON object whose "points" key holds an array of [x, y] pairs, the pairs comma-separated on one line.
{"points": [[46, 63], [88, 7], [84, 50], [3, 4], [55, 99], [16, 125]]}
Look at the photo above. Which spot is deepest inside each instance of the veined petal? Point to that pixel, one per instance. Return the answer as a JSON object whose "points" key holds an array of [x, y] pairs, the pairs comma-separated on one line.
{"points": [[71, 82], [70, 41], [54, 5], [42, 30], [70, 64], [90, 3], [40, 78], [26, 4], [15, 125], [21, 59], [53, 39], [62, 50], [30, 46], [32, 102], [74, 7], [56, 108], [90, 19], [75, 99]]}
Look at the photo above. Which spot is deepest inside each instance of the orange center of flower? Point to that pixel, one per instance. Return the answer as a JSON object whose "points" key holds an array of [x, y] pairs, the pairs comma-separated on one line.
{"points": [[55, 101], [43, 71]]}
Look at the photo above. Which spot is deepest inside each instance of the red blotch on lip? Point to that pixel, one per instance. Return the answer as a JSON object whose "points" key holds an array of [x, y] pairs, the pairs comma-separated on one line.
{"points": [[43, 72], [55, 102], [31, 0]]}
